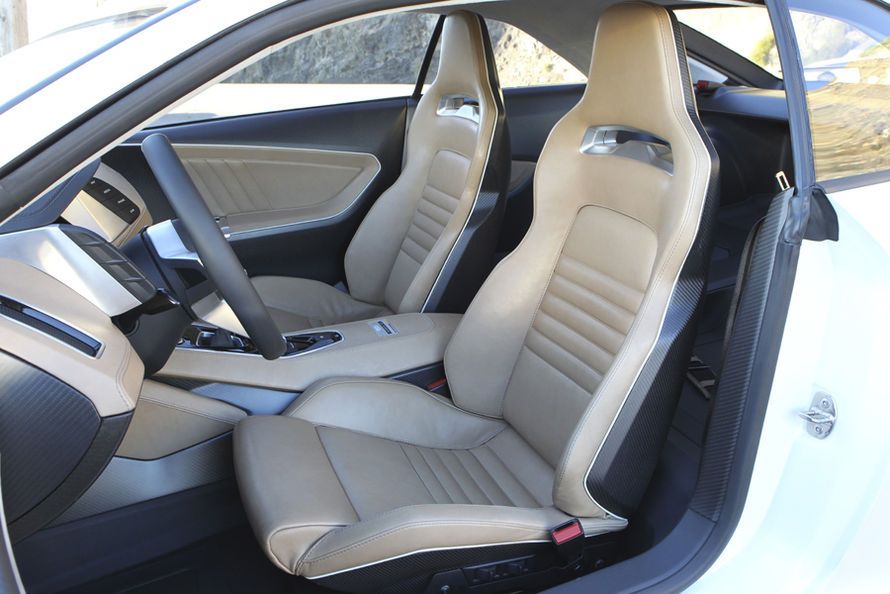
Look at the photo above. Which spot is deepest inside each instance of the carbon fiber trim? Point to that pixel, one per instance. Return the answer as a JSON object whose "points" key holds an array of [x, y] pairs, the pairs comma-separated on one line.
{"points": [[126, 481], [623, 466], [46, 427], [738, 368]]}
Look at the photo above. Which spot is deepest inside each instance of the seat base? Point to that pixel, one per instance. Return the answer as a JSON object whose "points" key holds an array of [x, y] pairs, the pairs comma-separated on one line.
{"points": [[481, 570], [299, 303], [361, 471]]}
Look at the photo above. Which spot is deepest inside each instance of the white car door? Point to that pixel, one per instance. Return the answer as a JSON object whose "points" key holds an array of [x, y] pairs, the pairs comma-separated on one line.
{"points": [[818, 505]]}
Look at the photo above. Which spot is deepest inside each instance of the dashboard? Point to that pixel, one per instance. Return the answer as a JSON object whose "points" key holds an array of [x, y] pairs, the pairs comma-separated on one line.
{"points": [[109, 206]]}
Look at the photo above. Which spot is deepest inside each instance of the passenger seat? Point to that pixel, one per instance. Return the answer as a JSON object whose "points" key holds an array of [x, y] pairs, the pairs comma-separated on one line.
{"points": [[427, 243]]}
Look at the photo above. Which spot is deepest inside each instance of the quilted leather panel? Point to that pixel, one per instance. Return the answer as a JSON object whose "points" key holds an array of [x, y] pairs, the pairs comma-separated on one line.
{"points": [[503, 471], [585, 314], [436, 206]]}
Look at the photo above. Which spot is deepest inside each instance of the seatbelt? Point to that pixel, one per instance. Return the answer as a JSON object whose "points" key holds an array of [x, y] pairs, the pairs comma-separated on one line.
{"points": [[421, 79]]}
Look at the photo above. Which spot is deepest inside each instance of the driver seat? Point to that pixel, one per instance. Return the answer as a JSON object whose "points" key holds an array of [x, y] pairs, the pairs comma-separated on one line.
{"points": [[564, 371], [441, 216]]}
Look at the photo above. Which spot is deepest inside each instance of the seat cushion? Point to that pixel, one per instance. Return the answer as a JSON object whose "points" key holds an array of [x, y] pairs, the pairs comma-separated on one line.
{"points": [[325, 498], [299, 303]]}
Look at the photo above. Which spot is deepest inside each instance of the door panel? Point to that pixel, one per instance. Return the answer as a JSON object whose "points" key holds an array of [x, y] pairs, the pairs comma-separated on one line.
{"points": [[262, 187], [293, 185]]}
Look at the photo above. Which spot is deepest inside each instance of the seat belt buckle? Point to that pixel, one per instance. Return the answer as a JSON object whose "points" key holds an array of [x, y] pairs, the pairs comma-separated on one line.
{"points": [[439, 383], [568, 538]]}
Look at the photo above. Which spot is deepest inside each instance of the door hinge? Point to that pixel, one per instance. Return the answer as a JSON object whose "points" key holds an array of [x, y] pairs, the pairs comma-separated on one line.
{"points": [[821, 416]]}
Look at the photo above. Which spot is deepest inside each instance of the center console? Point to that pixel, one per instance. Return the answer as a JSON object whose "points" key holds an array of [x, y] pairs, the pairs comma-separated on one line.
{"points": [[223, 341], [370, 348]]}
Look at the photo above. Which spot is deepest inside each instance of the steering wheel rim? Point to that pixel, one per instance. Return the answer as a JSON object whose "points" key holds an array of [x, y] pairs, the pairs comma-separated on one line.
{"points": [[219, 259]]}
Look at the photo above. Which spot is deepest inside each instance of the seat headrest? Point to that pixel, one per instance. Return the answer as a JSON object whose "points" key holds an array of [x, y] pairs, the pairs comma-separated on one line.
{"points": [[635, 80], [463, 60]]}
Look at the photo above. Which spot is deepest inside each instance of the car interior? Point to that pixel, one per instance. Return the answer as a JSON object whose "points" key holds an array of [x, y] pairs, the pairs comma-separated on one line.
{"points": [[468, 340]]}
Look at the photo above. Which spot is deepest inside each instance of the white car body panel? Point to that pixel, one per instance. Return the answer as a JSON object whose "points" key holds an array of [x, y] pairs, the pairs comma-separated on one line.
{"points": [[52, 107], [817, 510]]}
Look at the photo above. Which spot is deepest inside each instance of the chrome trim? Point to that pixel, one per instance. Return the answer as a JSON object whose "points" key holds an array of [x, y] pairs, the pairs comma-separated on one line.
{"points": [[603, 140], [457, 106], [49, 250], [288, 356]]}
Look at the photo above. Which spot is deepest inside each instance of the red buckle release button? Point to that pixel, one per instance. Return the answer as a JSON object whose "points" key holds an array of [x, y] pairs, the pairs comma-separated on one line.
{"points": [[437, 384], [566, 532]]}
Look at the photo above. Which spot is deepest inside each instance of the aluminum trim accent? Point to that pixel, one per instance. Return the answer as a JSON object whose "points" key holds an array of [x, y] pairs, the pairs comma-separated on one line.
{"points": [[169, 245], [50, 250], [457, 106]]}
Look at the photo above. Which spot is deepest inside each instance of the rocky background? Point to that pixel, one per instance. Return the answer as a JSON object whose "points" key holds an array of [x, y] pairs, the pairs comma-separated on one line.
{"points": [[389, 49]]}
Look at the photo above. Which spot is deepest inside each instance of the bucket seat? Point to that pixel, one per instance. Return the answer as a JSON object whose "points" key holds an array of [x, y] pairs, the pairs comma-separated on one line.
{"points": [[564, 371], [440, 216]]}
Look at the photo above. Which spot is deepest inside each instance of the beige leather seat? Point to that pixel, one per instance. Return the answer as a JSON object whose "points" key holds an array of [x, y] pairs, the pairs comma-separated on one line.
{"points": [[398, 257], [564, 370]]}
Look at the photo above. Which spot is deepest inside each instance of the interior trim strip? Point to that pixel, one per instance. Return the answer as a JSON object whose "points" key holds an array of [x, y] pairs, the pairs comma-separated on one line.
{"points": [[54, 328]]}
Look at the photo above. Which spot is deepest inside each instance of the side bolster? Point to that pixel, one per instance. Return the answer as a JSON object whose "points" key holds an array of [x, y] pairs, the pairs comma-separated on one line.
{"points": [[305, 502], [410, 530], [380, 407]]}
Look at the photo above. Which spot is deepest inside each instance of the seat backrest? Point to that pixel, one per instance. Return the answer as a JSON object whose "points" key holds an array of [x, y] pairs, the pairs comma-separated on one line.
{"points": [[575, 337], [403, 243]]}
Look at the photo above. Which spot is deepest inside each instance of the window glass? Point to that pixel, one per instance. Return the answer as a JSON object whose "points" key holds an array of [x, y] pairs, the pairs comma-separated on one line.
{"points": [[746, 30], [373, 58], [523, 61], [846, 62], [699, 71]]}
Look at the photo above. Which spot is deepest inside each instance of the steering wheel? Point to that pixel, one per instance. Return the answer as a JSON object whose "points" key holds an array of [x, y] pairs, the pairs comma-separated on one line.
{"points": [[222, 265]]}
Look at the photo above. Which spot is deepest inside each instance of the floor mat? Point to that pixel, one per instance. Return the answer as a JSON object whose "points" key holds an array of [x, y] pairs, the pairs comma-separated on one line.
{"points": [[228, 563]]}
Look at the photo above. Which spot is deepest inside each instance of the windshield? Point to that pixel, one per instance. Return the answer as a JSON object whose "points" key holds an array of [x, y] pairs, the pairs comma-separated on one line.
{"points": [[48, 36]]}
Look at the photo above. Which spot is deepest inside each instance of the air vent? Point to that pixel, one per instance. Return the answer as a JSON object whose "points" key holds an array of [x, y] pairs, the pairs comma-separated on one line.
{"points": [[28, 316]]}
